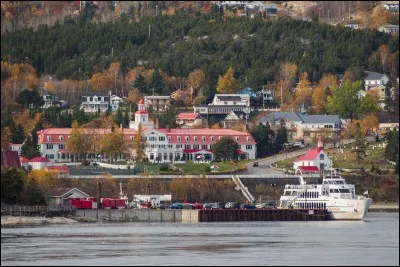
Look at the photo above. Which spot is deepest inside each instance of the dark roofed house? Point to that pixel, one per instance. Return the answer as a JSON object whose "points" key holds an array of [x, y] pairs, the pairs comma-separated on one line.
{"points": [[234, 119], [374, 79], [59, 197], [94, 102], [10, 159]]}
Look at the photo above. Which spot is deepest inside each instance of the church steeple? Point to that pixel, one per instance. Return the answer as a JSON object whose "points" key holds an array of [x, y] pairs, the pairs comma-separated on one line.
{"points": [[141, 116]]}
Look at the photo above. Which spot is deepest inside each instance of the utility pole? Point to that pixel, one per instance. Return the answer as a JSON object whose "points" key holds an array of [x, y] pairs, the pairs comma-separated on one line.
{"points": [[281, 96], [149, 31]]}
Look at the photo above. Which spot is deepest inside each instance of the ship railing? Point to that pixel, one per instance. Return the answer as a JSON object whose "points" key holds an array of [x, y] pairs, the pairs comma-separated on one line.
{"points": [[290, 201]]}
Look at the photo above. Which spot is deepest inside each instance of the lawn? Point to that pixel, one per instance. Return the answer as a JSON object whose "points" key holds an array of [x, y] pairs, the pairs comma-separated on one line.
{"points": [[197, 168], [348, 159]]}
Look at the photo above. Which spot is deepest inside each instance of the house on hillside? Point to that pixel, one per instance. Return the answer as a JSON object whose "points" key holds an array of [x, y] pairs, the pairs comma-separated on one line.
{"points": [[189, 120], [95, 102], [391, 7], [314, 157], [158, 103], [234, 119], [16, 147], [374, 79], [50, 99], [304, 127], [225, 103], [389, 28], [115, 102]]}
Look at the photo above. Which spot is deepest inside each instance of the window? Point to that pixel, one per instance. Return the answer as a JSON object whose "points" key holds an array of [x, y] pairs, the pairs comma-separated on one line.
{"points": [[212, 138], [195, 138], [219, 138], [49, 146], [203, 138], [188, 146], [237, 138], [187, 139], [249, 147], [49, 138], [61, 146], [131, 137], [195, 146], [248, 138], [321, 157], [204, 147], [61, 138], [49, 156], [39, 137], [161, 138], [179, 138], [169, 138]]}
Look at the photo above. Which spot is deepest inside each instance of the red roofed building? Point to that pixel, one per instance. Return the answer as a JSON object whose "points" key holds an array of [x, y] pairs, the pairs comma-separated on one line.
{"points": [[314, 157], [189, 120], [163, 145], [10, 159]]}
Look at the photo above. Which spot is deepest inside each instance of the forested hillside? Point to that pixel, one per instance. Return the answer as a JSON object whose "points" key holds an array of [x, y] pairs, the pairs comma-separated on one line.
{"points": [[178, 44]]}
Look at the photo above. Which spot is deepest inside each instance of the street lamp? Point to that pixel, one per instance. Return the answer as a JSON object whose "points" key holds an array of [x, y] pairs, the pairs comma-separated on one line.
{"points": [[273, 186], [100, 185]]}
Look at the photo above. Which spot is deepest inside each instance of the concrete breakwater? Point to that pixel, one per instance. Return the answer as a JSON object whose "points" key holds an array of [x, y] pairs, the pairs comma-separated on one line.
{"points": [[129, 215]]}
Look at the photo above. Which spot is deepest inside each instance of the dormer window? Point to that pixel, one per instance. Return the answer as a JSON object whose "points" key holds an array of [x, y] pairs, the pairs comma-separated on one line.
{"points": [[179, 138], [248, 138], [61, 138], [219, 138], [187, 139], [203, 138], [237, 138], [48, 138], [169, 138], [131, 137], [39, 137], [212, 138], [195, 138]]}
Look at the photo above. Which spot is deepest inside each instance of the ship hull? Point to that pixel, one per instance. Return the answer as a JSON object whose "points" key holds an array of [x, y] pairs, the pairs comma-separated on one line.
{"points": [[348, 209]]}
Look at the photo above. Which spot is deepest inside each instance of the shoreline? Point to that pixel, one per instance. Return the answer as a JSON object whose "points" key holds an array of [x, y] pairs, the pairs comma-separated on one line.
{"points": [[12, 221]]}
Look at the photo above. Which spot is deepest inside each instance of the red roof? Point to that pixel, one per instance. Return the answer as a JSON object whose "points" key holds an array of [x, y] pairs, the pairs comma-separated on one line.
{"points": [[61, 169], [141, 112], [240, 152], [188, 116], [310, 155], [141, 101], [23, 160], [309, 169], [10, 159], [63, 151], [39, 159]]}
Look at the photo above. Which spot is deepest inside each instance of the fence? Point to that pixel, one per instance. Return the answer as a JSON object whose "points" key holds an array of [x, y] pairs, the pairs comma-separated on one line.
{"points": [[16, 210]]}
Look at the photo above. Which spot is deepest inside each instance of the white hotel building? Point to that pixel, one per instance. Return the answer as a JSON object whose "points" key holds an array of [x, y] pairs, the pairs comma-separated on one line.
{"points": [[163, 145]]}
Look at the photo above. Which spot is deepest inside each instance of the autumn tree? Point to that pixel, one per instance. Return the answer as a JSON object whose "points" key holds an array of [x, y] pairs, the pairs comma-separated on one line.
{"points": [[100, 82], [194, 83], [368, 124], [227, 83], [321, 92], [75, 143], [286, 78], [303, 92], [137, 151], [134, 95], [113, 144]]}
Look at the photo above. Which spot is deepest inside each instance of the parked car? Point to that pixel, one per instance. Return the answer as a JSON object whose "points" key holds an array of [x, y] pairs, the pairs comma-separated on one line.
{"points": [[198, 206], [232, 205], [207, 206], [176, 206], [188, 206], [247, 206]]}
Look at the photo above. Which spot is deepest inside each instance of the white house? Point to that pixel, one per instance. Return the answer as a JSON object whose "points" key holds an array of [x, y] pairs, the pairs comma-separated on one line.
{"points": [[314, 157], [267, 95], [389, 28], [225, 103], [391, 7], [36, 163], [49, 98], [374, 79], [16, 147], [115, 102], [94, 102]]}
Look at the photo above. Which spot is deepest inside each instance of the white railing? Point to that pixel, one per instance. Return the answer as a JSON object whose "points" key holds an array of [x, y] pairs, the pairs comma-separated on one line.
{"points": [[244, 189]]}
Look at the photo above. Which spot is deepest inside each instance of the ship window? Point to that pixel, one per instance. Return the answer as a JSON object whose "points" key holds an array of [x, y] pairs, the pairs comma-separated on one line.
{"points": [[336, 190], [344, 190], [331, 191], [287, 193], [293, 193]]}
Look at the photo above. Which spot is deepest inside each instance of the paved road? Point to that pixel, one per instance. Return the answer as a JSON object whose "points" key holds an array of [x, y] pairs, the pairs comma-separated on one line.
{"points": [[265, 163]]}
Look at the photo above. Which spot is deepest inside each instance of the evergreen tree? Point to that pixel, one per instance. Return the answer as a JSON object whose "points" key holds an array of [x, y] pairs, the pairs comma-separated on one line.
{"points": [[118, 119], [126, 120], [140, 84], [281, 136], [30, 150], [168, 118], [263, 136], [157, 82], [34, 195], [12, 184], [225, 149], [359, 148], [18, 135]]}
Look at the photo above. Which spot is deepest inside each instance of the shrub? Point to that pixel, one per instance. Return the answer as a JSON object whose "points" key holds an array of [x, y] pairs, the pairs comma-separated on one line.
{"points": [[164, 167], [85, 162], [207, 169]]}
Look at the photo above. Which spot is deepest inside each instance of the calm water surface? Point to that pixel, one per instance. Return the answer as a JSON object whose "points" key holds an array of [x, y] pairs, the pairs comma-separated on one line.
{"points": [[374, 241]]}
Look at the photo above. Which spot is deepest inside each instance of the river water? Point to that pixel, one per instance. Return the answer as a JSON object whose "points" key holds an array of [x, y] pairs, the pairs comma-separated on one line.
{"points": [[374, 241]]}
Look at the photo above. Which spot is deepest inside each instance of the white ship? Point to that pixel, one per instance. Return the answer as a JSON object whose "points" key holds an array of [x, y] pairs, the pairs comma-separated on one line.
{"points": [[334, 194]]}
